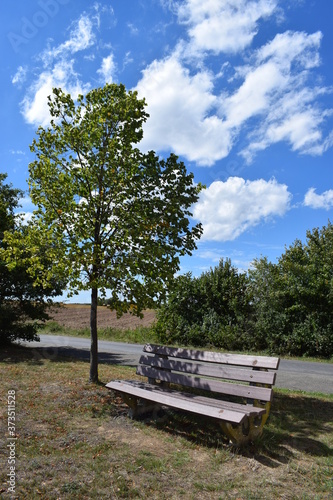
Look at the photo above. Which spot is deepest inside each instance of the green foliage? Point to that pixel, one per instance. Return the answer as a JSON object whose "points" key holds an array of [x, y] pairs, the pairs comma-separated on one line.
{"points": [[22, 305], [111, 218], [213, 309], [118, 219], [294, 297], [283, 308], [180, 315], [9, 201]]}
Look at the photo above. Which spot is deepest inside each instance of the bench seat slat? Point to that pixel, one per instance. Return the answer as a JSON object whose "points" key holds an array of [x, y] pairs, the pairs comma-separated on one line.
{"points": [[231, 373], [184, 401], [215, 357], [246, 391], [248, 409]]}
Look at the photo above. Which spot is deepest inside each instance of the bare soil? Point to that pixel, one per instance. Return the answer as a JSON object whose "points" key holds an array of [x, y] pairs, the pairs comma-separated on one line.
{"points": [[77, 316]]}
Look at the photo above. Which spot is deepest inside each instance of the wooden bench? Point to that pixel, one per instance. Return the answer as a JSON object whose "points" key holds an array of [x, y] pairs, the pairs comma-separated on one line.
{"points": [[238, 388]]}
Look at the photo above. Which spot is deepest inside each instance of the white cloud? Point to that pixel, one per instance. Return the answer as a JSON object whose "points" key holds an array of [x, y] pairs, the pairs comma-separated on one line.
{"points": [[291, 45], [254, 96], [227, 209], [107, 69], [271, 93], [223, 25], [17, 152], [34, 106], [190, 117], [133, 29], [81, 37], [58, 71], [181, 109], [314, 200], [297, 119], [276, 87], [24, 217], [20, 76], [211, 255], [320, 148], [27, 203]]}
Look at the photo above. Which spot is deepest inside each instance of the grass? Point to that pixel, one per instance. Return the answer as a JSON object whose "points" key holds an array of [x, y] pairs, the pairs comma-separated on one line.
{"points": [[74, 441], [139, 335]]}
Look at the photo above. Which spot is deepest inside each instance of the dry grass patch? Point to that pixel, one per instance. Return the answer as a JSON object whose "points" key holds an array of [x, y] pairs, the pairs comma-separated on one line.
{"points": [[74, 441]]}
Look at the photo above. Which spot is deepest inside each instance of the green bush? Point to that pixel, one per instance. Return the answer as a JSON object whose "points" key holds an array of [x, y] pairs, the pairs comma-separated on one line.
{"points": [[293, 299], [283, 308], [212, 310]]}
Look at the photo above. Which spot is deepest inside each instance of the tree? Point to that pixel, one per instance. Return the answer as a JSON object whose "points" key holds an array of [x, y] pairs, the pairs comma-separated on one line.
{"points": [[225, 292], [22, 305], [307, 293], [293, 299], [115, 218], [9, 201], [180, 317], [269, 314]]}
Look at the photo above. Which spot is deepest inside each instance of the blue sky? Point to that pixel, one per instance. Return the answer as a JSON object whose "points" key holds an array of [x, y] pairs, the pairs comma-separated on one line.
{"points": [[241, 90]]}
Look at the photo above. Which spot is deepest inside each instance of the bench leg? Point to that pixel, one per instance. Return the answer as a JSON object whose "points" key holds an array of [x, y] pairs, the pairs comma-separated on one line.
{"points": [[248, 431], [267, 407], [139, 407], [132, 403]]}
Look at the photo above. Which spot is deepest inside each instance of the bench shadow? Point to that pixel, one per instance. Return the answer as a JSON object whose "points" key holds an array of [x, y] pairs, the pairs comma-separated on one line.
{"points": [[297, 424]]}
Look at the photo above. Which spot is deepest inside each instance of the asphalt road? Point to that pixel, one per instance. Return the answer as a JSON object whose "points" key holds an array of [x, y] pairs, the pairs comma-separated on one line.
{"points": [[298, 375]]}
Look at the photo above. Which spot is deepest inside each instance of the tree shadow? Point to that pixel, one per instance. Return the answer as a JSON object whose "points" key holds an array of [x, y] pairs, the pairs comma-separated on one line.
{"points": [[62, 354]]}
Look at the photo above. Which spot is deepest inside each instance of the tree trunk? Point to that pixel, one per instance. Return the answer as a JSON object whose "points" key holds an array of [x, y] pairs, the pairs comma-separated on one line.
{"points": [[93, 336]]}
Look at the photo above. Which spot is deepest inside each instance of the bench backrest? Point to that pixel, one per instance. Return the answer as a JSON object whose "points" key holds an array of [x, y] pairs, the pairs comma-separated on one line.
{"points": [[249, 377]]}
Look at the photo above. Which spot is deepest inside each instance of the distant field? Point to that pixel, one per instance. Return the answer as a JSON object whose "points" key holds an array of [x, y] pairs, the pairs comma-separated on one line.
{"points": [[77, 316]]}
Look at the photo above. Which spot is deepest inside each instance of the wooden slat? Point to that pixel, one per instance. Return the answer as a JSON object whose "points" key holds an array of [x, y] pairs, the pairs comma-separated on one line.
{"points": [[248, 409], [215, 357], [246, 391], [183, 401], [218, 371]]}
